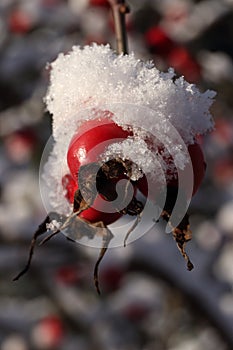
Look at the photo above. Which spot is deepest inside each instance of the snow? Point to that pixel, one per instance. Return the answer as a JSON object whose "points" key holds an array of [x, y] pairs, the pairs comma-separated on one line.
{"points": [[53, 226], [150, 163], [95, 75], [88, 80]]}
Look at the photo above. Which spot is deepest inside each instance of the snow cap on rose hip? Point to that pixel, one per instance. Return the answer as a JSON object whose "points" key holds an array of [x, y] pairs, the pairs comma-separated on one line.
{"points": [[88, 80], [94, 75]]}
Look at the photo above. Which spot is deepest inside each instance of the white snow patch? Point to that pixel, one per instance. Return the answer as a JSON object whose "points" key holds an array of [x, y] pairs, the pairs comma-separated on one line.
{"points": [[87, 80], [148, 162], [53, 226]]}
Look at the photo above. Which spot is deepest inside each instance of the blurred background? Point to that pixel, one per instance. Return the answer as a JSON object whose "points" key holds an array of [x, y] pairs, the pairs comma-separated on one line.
{"points": [[149, 301]]}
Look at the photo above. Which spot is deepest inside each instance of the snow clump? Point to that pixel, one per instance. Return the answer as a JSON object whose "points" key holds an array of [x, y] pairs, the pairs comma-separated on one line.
{"points": [[88, 80]]}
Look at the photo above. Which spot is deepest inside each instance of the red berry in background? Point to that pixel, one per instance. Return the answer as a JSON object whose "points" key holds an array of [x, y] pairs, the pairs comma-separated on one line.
{"points": [[111, 277], [136, 311], [100, 3], [223, 171], [70, 274], [20, 145], [158, 41], [223, 133], [184, 64], [48, 333], [19, 22], [174, 55]]}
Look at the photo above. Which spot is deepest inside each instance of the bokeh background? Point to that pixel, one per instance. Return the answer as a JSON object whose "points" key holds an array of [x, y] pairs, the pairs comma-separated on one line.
{"points": [[149, 301]]}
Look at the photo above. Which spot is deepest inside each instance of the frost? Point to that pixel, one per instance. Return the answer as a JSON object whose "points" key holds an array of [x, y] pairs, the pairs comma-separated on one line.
{"points": [[95, 75], [53, 226], [90, 79], [148, 162]]}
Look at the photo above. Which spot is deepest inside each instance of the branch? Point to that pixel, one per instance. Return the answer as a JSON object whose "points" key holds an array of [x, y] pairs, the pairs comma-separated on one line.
{"points": [[119, 10]]}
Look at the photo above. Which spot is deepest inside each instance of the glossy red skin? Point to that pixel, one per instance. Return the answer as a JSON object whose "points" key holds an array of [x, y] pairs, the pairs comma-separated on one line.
{"points": [[90, 134], [91, 214], [100, 3], [158, 41], [70, 186], [94, 132], [199, 165], [199, 168]]}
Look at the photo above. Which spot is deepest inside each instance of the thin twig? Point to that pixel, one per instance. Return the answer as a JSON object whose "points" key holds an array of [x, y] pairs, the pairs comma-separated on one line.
{"points": [[119, 10]]}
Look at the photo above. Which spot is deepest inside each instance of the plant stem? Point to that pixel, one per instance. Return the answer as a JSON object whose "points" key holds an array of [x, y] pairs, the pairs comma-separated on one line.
{"points": [[119, 10]]}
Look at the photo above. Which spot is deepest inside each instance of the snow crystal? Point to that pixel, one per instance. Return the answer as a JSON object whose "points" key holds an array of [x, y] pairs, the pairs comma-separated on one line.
{"points": [[53, 226], [95, 75], [94, 78], [148, 161]]}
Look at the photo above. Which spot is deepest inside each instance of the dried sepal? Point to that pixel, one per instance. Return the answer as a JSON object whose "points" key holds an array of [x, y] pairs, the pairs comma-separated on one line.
{"points": [[182, 234], [91, 176], [42, 228], [103, 176]]}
